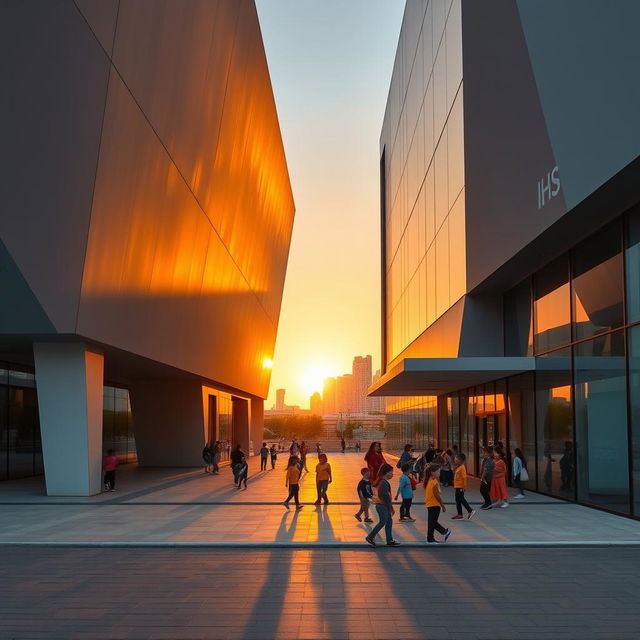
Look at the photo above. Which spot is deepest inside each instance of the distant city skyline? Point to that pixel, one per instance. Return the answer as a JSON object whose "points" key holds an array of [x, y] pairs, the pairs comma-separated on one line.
{"points": [[345, 393]]}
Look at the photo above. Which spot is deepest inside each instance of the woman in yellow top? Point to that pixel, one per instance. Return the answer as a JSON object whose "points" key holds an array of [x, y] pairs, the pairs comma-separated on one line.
{"points": [[293, 481], [433, 500], [323, 478], [460, 484]]}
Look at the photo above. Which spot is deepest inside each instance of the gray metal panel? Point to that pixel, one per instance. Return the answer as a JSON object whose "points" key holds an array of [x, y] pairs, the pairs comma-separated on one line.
{"points": [[54, 80], [507, 149], [435, 376], [158, 281], [199, 72], [22, 312], [102, 17], [585, 59]]}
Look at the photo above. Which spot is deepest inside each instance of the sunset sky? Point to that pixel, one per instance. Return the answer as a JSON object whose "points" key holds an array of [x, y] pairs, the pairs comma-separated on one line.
{"points": [[330, 65]]}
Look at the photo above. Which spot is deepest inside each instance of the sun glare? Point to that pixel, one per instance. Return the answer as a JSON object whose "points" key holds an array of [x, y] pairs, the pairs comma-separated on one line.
{"points": [[313, 377]]}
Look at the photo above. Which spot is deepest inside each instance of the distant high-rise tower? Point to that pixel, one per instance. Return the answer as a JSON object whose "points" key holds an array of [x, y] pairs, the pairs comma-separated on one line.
{"points": [[280, 399], [344, 394], [375, 404], [361, 382], [329, 397], [315, 404]]}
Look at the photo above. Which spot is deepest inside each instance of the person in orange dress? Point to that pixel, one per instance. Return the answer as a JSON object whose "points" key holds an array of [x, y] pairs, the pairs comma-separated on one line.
{"points": [[499, 481]]}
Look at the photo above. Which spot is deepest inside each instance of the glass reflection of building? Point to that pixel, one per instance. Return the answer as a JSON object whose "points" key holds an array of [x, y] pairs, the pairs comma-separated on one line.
{"points": [[507, 320]]}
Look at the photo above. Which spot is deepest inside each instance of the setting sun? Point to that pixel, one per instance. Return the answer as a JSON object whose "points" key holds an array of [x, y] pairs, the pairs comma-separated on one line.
{"points": [[313, 377]]}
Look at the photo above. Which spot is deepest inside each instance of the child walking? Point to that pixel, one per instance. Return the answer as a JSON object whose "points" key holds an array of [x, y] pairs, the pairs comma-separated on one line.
{"points": [[243, 472], [109, 464], [323, 478], [460, 485], [406, 491], [365, 493], [433, 500], [293, 481], [384, 507]]}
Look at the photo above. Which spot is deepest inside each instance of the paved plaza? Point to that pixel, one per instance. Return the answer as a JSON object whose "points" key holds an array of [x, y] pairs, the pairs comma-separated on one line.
{"points": [[161, 559], [332, 594], [188, 506]]}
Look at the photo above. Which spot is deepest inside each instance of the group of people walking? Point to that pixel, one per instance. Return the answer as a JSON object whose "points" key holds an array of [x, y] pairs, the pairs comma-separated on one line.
{"points": [[493, 476], [211, 456], [433, 470]]}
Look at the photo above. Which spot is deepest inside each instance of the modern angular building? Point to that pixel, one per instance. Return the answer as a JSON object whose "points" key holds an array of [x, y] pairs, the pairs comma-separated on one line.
{"points": [[145, 223], [510, 184]]}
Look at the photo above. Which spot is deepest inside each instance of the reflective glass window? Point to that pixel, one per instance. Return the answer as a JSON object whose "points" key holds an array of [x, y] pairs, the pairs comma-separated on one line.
{"points": [[552, 306], [634, 405], [554, 424], [23, 420], [632, 259], [518, 321], [522, 434], [4, 421], [598, 283], [600, 396], [457, 251], [442, 269]]}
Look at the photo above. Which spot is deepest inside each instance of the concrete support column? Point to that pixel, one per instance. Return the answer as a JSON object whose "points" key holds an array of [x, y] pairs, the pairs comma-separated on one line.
{"points": [[257, 422], [168, 422], [70, 383]]}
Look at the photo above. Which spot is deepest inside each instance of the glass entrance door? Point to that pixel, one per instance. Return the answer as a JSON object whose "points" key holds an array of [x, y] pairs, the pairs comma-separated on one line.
{"points": [[486, 434]]}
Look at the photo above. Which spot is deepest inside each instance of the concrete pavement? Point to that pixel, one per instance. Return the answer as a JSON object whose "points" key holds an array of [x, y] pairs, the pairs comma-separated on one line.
{"points": [[321, 594], [157, 506]]}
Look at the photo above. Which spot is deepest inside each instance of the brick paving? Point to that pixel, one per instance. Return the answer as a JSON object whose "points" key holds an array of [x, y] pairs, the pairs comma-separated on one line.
{"points": [[446, 593]]}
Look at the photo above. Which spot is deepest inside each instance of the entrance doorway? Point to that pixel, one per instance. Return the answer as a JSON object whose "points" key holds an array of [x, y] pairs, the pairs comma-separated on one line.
{"points": [[490, 429]]}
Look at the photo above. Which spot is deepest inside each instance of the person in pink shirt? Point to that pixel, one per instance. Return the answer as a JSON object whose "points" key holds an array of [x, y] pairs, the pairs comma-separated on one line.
{"points": [[109, 464]]}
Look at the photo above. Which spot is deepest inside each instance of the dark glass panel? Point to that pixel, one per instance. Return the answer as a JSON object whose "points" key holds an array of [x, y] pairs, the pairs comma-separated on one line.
{"points": [[22, 425], [108, 417], [554, 424], [598, 283], [4, 420], [632, 260], [552, 306], [634, 402], [518, 324], [600, 392], [522, 432], [121, 423]]}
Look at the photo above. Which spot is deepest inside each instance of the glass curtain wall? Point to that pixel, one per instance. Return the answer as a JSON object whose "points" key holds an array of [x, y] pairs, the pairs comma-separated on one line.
{"points": [[522, 426], [117, 424], [410, 420], [225, 425], [601, 422], [20, 442], [20, 445]]}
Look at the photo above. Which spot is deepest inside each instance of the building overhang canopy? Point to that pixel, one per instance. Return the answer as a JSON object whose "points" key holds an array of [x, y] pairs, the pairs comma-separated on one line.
{"points": [[437, 376]]}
